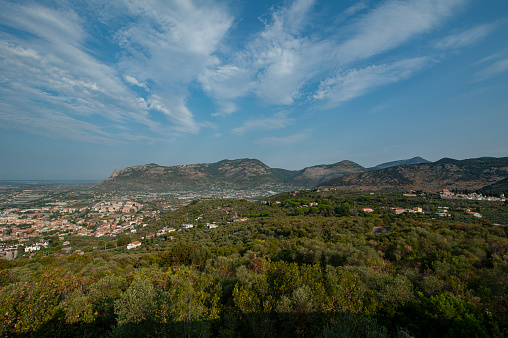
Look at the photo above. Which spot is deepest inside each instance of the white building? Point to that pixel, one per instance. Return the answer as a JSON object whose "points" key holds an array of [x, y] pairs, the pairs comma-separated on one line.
{"points": [[133, 245]]}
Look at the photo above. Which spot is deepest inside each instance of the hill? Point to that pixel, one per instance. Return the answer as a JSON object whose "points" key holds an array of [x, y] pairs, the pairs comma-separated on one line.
{"points": [[471, 174], [414, 160], [311, 176], [239, 174], [236, 174], [276, 268], [499, 187]]}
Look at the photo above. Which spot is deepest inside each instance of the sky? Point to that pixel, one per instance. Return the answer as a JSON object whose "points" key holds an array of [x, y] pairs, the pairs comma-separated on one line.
{"points": [[87, 87]]}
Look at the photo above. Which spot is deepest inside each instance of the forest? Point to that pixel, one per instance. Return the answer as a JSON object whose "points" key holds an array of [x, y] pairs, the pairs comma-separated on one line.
{"points": [[306, 264]]}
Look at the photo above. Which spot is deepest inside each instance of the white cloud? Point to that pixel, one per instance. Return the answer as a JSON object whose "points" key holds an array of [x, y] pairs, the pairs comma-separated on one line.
{"points": [[465, 38], [281, 62], [225, 108], [356, 82], [356, 8], [493, 65], [166, 47], [284, 141], [278, 121], [176, 112], [55, 125], [170, 43], [135, 82], [166, 44], [271, 65], [48, 69], [495, 69], [392, 24], [497, 55], [226, 83]]}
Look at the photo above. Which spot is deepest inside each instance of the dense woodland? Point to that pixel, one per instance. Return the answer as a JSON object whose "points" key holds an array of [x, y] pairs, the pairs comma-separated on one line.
{"points": [[291, 269]]}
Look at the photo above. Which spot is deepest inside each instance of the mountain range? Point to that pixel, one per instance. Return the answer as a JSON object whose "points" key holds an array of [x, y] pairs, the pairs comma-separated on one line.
{"points": [[237, 174], [415, 173], [471, 174], [414, 160]]}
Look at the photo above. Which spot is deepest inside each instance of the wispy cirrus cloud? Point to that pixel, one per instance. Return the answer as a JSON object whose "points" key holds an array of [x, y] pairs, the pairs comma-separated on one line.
{"points": [[284, 141], [47, 73], [271, 66], [356, 82], [467, 37], [48, 65], [392, 24], [135, 82], [281, 62], [496, 68], [142, 76], [495, 64], [169, 44], [386, 27], [278, 121]]}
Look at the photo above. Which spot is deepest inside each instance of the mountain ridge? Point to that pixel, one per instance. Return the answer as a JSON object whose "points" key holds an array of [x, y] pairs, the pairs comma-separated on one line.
{"points": [[247, 173], [471, 174], [414, 160], [239, 173]]}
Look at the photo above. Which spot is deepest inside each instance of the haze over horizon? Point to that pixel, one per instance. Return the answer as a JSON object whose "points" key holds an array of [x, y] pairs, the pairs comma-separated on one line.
{"points": [[89, 87]]}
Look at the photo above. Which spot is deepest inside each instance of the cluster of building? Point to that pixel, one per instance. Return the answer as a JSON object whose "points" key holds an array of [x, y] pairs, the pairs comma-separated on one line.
{"points": [[444, 212], [102, 219], [9, 252], [471, 196], [397, 210], [117, 206], [36, 246], [32, 226]]}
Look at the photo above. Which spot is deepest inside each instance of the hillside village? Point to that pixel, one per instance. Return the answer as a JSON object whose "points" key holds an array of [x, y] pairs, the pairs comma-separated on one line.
{"points": [[110, 218], [446, 193]]}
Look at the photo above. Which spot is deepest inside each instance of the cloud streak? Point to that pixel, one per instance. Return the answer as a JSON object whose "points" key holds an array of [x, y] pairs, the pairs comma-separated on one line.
{"points": [[284, 141], [467, 37], [278, 121], [392, 24], [283, 61], [51, 67], [495, 69], [140, 80], [356, 82]]}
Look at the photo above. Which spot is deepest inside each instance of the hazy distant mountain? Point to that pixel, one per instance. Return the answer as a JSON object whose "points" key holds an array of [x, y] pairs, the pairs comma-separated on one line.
{"points": [[414, 160], [471, 174], [311, 176]]}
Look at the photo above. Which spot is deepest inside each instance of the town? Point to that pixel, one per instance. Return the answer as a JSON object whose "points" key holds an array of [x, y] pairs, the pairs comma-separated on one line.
{"points": [[31, 217], [28, 216]]}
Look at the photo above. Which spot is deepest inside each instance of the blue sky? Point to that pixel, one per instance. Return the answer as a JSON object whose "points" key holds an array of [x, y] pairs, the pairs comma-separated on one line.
{"points": [[87, 87]]}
